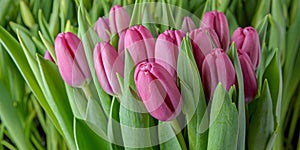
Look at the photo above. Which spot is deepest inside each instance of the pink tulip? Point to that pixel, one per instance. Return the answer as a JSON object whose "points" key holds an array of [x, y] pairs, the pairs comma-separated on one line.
{"points": [[140, 43], [216, 68], [118, 19], [48, 56], [158, 91], [218, 22], [247, 40], [102, 29], [250, 83], [71, 59], [167, 49], [107, 64], [188, 25]]}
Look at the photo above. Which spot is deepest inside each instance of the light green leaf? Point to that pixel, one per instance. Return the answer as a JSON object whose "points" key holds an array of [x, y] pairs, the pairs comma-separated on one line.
{"points": [[223, 130], [167, 137], [262, 9], [10, 118], [261, 121], [241, 97], [57, 98], [194, 102], [15, 51], [262, 30], [86, 138]]}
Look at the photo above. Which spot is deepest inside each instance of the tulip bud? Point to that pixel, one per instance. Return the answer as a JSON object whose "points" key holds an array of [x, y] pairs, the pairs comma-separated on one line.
{"points": [[247, 40], [216, 68], [118, 19], [107, 64], [167, 49], [71, 59], [159, 94], [140, 43], [250, 83], [102, 29], [205, 39], [218, 22], [188, 25], [47, 56]]}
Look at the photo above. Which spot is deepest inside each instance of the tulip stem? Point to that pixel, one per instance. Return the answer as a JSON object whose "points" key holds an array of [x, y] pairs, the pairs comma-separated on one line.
{"points": [[177, 130], [87, 91]]}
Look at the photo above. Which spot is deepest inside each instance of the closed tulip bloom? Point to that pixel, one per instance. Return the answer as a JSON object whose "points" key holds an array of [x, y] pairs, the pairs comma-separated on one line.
{"points": [[247, 40], [218, 22], [118, 19], [216, 68], [250, 83], [102, 29], [140, 43], [205, 39], [188, 24], [47, 56], [167, 49], [71, 59], [107, 64], [158, 92]]}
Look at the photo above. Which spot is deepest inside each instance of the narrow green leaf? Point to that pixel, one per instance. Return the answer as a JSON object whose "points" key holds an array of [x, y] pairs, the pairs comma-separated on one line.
{"points": [[261, 121], [26, 14], [57, 97], [10, 118], [223, 131], [241, 97], [194, 102], [44, 27], [262, 30], [263, 8], [15, 51], [167, 137]]}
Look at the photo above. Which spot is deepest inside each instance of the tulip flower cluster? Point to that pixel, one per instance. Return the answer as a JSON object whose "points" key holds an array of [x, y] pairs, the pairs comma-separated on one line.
{"points": [[155, 74]]}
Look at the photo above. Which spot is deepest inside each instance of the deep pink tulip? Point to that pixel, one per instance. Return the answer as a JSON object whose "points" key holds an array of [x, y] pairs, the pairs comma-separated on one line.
{"points": [[167, 49], [140, 43], [218, 22], [158, 91], [250, 83], [118, 19], [188, 24], [107, 64], [71, 59], [102, 29], [216, 68], [247, 40], [48, 56]]}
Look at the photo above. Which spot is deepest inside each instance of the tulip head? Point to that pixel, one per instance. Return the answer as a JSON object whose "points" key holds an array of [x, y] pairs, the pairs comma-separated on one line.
{"points": [[188, 25], [250, 83], [102, 29], [218, 22], [167, 49], [140, 43], [71, 59], [107, 64], [48, 56], [118, 19], [216, 68], [247, 40], [158, 91]]}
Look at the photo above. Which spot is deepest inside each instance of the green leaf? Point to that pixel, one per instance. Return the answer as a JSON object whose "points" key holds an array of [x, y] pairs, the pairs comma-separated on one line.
{"points": [[15, 51], [10, 118], [232, 22], [167, 137], [241, 97], [57, 97], [44, 27], [89, 40], [273, 74], [262, 30], [87, 139], [262, 9], [261, 121], [26, 14], [223, 130], [194, 103]]}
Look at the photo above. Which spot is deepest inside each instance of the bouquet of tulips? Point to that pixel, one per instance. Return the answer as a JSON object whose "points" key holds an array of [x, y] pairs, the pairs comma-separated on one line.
{"points": [[151, 75]]}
